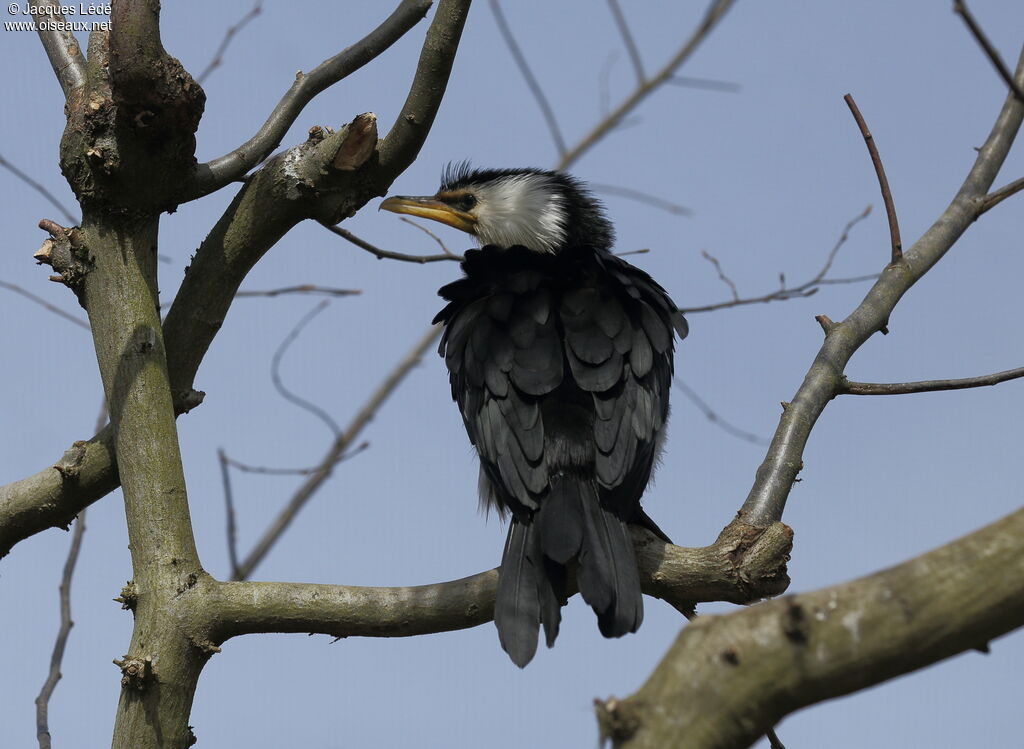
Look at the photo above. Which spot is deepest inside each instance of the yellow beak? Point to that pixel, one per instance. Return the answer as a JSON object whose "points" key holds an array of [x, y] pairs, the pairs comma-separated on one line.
{"points": [[432, 208]]}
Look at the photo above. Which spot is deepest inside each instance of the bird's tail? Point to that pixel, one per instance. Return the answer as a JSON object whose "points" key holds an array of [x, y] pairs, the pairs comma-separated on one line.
{"points": [[571, 523]]}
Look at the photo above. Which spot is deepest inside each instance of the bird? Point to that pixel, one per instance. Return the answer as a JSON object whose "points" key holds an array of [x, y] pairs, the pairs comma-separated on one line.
{"points": [[560, 356]]}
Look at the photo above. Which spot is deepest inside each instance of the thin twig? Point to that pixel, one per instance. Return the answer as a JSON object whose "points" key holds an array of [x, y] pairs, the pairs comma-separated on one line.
{"points": [[306, 288], [382, 254], [43, 303], [883, 183], [627, 39], [805, 289], [341, 444], [641, 197], [714, 14], [43, 700], [275, 371], [995, 198], [229, 35], [68, 216], [927, 386], [531, 81], [721, 274], [714, 418], [229, 508], [302, 471], [425, 230], [709, 84], [644, 251], [960, 8]]}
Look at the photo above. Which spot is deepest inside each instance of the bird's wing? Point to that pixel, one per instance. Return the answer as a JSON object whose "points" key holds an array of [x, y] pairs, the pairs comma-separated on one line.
{"points": [[503, 352], [619, 335]]}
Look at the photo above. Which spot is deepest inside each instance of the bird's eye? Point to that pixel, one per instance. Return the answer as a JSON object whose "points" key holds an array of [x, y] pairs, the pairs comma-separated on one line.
{"points": [[467, 202]]}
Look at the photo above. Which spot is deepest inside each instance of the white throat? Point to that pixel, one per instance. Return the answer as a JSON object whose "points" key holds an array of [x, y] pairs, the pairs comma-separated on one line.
{"points": [[523, 209]]}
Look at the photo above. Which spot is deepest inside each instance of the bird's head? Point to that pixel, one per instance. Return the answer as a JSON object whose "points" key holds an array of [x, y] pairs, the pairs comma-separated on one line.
{"points": [[541, 210]]}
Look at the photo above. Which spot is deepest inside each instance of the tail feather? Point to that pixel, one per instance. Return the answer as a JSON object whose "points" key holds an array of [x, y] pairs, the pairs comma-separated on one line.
{"points": [[571, 522], [608, 577], [531, 592]]}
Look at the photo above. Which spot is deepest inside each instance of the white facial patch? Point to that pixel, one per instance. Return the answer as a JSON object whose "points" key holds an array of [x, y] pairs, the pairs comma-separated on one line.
{"points": [[524, 209]]}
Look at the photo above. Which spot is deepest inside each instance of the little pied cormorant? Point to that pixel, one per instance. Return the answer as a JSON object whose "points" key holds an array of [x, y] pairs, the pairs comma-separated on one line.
{"points": [[560, 356]]}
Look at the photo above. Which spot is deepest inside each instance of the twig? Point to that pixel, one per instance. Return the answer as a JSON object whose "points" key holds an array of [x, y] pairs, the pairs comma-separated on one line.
{"points": [[705, 83], [883, 183], [641, 197], [275, 371], [927, 386], [69, 217], [229, 35], [960, 8], [995, 198], [43, 303], [713, 416], [273, 471], [627, 39], [425, 230], [773, 739], [306, 288], [229, 508], [382, 254], [220, 171], [43, 700], [721, 274], [531, 81], [714, 14], [643, 251], [341, 444], [803, 290]]}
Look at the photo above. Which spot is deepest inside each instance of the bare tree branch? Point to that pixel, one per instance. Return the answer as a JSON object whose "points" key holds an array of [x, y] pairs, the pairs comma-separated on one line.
{"points": [[215, 174], [218, 56], [382, 254], [995, 198], [43, 700], [744, 564], [531, 81], [960, 8], [641, 197], [728, 678], [45, 304], [883, 183], [306, 288], [767, 498], [61, 48], [275, 372], [848, 387], [68, 216], [714, 14], [267, 206], [229, 508], [807, 288], [627, 39], [713, 416], [337, 450]]}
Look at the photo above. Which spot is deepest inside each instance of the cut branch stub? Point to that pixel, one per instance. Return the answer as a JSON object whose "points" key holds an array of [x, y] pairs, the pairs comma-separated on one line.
{"points": [[359, 143], [65, 252]]}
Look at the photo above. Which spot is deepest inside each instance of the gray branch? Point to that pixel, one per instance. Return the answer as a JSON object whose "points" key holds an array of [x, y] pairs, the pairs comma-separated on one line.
{"points": [[767, 498], [729, 678], [62, 50], [215, 174]]}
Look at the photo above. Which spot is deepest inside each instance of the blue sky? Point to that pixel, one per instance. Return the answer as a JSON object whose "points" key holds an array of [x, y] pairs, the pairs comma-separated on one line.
{"points": [[772, 173]]}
